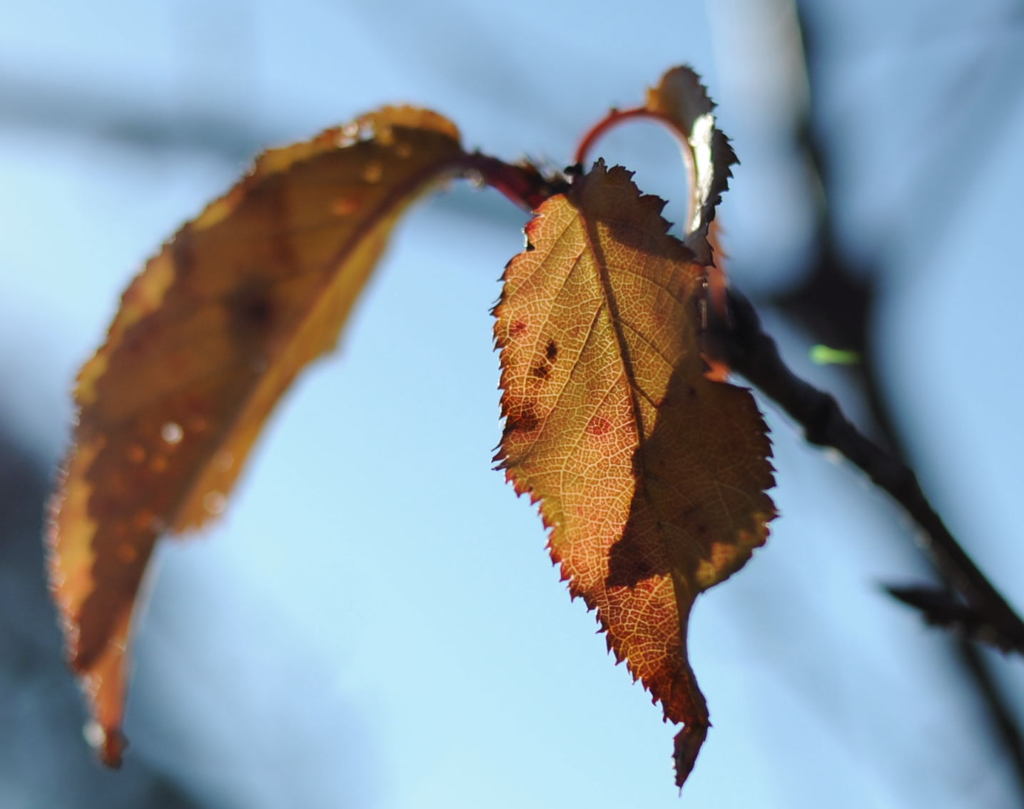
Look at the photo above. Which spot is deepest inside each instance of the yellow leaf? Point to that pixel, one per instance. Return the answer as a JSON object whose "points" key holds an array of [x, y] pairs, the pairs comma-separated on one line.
{"points": [[207, 339]]}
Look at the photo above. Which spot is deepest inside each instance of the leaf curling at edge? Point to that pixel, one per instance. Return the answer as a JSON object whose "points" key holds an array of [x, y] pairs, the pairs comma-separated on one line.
{"points": [[651, 477], [682, 101], [206, 340]]}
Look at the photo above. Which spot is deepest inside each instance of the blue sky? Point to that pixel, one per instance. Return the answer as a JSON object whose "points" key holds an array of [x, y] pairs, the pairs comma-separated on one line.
{"points": [[375, 622]]}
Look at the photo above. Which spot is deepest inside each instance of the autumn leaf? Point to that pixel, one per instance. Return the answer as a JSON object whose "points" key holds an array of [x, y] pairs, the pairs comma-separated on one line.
{"points": [[650, 476], [681, 102], [207, 339]]}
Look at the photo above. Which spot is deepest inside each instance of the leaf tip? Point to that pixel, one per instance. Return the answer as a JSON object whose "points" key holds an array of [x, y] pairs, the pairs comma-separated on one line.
{"points": [[109, 743], [687, 745]]}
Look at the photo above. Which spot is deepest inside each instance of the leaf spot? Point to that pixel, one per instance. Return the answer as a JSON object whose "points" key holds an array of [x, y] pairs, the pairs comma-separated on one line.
{"points": [[126, 552], [254, 309], [373, 172], [525, 421], [344, 206], [144, 520]]}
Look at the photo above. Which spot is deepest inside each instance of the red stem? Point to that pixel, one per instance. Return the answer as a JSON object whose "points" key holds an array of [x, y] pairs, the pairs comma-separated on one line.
{"points": [[614, 118], [522, 184]]}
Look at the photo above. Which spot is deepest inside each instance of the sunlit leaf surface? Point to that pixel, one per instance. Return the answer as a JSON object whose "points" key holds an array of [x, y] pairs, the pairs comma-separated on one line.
{"points": [[650, 476]]}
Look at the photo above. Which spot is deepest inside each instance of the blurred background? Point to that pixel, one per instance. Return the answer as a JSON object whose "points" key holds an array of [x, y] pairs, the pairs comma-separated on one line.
{"points": [[375, 622]]}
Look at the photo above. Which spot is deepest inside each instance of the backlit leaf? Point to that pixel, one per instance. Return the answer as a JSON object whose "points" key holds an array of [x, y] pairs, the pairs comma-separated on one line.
{"points": [[207, 339], [681, 101], [650, 476]]}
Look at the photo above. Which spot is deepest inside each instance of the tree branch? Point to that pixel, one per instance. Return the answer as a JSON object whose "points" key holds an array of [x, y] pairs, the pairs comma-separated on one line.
{"points": [[751, 352], [940, 607], [835, 302]]}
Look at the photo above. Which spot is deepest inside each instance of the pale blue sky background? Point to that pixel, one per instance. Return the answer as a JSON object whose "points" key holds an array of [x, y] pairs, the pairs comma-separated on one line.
{"points": [[375, 622]]}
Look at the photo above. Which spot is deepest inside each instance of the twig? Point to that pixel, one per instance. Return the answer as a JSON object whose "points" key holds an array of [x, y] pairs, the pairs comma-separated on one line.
{"points": [[942, 608], [752, 353], [835, 302]]}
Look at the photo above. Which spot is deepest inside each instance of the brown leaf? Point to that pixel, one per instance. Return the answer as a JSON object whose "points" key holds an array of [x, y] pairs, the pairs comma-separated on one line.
{"points": [[207, 339], [651, 476]]}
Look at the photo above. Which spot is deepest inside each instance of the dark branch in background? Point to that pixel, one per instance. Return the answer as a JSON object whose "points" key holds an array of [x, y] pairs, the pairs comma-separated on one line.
{"points": [[752, 353], [835, 303], [138, 123], [941, 608], [148, 127]]}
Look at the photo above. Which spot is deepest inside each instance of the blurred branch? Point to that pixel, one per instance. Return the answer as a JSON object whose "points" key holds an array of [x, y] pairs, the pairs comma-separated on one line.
{"points": [[750, 352], [939, 607], [968, 119], [148, 127], [142, 125], [835, 303]]}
